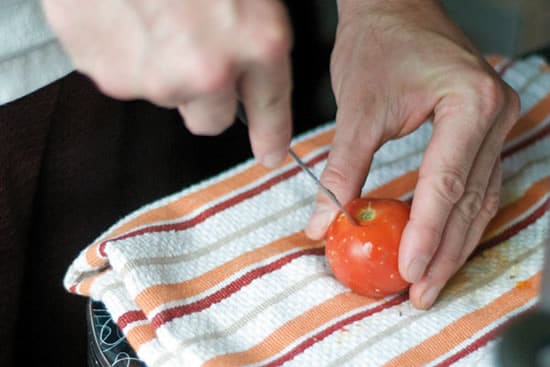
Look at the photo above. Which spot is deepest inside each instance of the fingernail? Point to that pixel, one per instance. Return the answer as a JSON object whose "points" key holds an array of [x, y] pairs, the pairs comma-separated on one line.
{"points": [[416, 269], [319, 222], [272, 159], [428, 297]]}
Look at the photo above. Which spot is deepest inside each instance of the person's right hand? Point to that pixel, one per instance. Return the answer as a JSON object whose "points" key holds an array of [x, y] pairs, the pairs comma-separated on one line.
{"points": [[199, 56]]}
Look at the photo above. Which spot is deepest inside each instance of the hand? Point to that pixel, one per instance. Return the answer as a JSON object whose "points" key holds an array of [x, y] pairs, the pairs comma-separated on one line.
{"points": [[199, 56], [396, 63]]}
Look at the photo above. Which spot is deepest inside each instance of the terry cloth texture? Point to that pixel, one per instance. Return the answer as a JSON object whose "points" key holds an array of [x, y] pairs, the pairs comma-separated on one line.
{"points": [[221, 274]]}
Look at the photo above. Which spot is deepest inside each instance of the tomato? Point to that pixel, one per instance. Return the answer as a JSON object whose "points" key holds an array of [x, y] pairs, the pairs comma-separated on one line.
{"points": [[363, 256]]}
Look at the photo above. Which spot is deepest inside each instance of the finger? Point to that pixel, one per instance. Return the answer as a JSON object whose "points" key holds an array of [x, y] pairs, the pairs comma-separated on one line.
{"points": [[489, 209], [449, 253], [458, 133], [265, 92], [348, 163], [211, 114], [449, 259], [265, 85]]}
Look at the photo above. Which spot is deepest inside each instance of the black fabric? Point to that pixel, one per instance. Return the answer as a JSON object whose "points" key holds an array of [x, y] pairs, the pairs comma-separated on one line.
{"points": [[72, 162]]}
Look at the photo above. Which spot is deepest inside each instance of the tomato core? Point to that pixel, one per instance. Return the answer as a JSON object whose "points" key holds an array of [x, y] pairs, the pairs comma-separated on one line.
{"points": [[367, 214]]}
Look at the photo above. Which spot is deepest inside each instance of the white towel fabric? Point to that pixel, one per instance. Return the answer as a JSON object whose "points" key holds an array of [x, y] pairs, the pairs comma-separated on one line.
{"points": [[221, 274]]}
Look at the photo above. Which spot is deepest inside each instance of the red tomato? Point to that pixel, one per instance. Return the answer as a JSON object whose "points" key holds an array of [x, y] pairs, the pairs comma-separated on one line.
{"points": [[364, 256]]}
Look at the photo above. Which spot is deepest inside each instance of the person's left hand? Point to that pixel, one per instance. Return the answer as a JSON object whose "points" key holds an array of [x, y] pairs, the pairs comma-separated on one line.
{"points": [[396, 63]]}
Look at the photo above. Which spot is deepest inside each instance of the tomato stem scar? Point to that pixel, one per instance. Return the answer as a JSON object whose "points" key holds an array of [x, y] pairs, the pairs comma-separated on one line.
{"points": [[367, 214]]}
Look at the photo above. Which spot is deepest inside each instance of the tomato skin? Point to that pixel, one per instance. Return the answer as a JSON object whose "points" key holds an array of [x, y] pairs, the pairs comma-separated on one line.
{"points": [[363, 256]]}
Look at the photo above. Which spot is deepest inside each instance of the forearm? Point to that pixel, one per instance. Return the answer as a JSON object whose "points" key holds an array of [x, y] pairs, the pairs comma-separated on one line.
{"points": [[348, 8], [384, 15], [350, 4]]}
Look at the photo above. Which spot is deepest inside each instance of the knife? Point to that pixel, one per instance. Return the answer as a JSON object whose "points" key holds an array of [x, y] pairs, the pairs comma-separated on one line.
{"points": [[241, 115]]}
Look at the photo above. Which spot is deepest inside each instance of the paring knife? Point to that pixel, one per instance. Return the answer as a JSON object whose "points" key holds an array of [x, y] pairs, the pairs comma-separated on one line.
{"points": [[241, 115]]}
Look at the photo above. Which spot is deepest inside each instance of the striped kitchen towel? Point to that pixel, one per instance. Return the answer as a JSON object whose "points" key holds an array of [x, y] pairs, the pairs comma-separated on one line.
{"points": [[221, 273]]}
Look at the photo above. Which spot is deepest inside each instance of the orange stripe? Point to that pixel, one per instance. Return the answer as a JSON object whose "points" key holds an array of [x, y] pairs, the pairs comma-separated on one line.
{"points": [[531, 119], [460, 330], [85, 285], [494, 60], [93, 258], [396, 187], [405, 183], [155, 296], [139, 335], [292, 330], [190, 202], [187, 203], [508, 213], [169, 292]]}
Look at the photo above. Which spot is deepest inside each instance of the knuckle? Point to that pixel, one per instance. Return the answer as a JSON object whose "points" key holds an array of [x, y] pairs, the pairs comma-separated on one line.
{"points": [[333, 176], [449, 186], [490, 205], [210, 77], [513, 106], [469, 205], [274, 40], [490, 94]]}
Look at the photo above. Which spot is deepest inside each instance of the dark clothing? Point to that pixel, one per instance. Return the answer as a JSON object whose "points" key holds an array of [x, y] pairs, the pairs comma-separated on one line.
{"points": [[72, 162]]}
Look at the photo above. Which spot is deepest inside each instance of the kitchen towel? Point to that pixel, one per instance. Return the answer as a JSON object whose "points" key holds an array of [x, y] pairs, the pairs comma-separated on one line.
{"points": [[221, 273]]}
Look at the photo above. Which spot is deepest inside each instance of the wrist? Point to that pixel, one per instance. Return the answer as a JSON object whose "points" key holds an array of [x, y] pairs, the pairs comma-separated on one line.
{"points": [[348, 7]]}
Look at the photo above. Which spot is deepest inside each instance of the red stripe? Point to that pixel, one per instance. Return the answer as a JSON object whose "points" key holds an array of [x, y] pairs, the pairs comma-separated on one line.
{"points": [[129, 317], [237, 199], [524, 143], [247, 278], [178, 226], [233, 287], [170, 314], [101, 248], [201, 217], [300, 348], [481, 341], [268, 184], [512, 230], [505, 235]]}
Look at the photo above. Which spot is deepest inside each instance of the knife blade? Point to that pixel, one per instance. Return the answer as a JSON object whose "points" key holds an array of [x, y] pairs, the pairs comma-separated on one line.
{"points": [[241, 115]]}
